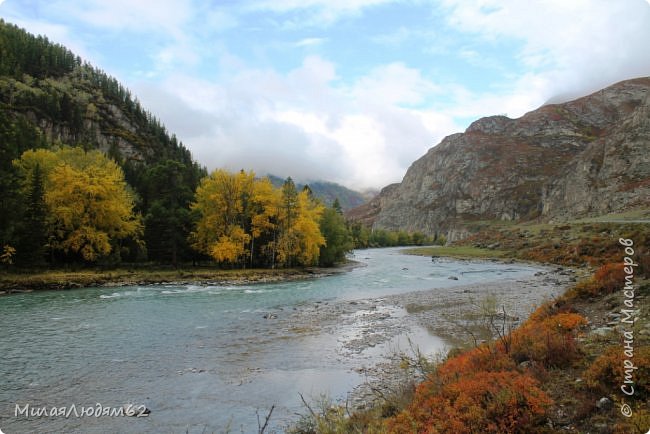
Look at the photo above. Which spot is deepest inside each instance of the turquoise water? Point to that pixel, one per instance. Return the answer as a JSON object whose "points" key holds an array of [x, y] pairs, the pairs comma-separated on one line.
{"points": [[202, 358]]}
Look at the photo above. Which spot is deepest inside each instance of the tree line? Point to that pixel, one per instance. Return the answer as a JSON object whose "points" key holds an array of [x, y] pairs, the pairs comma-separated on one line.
{"points": [[78, 207]]}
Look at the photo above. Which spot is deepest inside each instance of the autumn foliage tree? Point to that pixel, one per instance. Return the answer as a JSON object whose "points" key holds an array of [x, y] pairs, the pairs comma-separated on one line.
{"points": [[88, 205], [300, 237], [244, 220], [219, 202]]}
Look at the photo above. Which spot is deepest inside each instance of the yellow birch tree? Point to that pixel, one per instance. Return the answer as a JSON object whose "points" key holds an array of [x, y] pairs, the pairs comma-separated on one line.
{"points": [[90, 207], [219, 201], [236, 210]]}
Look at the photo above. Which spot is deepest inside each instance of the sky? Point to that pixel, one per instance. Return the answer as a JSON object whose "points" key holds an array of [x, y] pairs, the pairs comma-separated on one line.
{"points": [[348, 91]]}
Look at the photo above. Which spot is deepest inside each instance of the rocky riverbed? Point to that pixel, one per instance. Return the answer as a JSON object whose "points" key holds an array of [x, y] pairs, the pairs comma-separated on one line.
{"points": [[383, 336]]}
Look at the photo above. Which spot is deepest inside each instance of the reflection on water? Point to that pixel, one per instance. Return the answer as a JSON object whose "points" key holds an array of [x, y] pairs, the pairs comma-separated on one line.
{"points": [[200, 357]]}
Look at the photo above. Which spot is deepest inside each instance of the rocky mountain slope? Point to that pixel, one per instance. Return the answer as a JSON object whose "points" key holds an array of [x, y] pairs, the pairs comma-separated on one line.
{"points": [[585, 157]]}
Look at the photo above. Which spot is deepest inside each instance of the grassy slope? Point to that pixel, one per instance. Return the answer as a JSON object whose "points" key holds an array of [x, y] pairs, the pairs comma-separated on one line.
{"points": [[460, 252]]}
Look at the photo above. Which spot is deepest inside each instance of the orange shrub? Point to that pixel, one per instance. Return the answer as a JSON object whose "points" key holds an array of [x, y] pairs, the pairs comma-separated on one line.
{"points": [[610, 277], [549, 340], [485, 402], [607, 372], [564, 322], [544, 311], [607, 279], [583, 289], [478, 359]]}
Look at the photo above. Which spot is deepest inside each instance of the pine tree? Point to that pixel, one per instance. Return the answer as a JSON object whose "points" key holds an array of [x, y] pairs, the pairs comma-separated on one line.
{"points": [[33, 231], [338, 238], [337, 206], [288, 216]]}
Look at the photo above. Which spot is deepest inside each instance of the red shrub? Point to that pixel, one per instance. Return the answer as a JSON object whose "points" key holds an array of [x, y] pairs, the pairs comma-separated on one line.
{"points": [[485, 402], [608, 371], [549, 340], [610, 277]]}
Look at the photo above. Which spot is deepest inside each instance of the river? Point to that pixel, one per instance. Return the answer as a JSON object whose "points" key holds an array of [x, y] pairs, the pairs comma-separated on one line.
{"points": [[202, 358]]}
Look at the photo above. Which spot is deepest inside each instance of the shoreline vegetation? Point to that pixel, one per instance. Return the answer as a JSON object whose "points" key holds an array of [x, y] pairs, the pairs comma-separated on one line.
{"points": [[562, 369], [20, 282]]}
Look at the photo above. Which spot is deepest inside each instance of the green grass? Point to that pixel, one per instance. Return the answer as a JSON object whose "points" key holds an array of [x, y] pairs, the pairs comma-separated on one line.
{"points": [[635, 215], [457, 252]]}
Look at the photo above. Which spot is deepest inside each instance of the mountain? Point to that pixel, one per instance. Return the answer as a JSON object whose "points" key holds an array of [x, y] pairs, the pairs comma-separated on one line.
{"points": [[585, 157], [328, 192], [50, 97], [47, 87]]}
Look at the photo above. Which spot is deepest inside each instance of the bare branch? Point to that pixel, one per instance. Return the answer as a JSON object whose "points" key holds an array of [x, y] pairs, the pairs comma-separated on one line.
{"points": [[266, 421], [308, 406]]}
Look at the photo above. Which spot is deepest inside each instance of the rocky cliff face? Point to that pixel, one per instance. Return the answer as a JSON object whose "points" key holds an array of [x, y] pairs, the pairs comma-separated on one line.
{"points": [[106, 128], [613, 173], [584, 157], [369, 211]]}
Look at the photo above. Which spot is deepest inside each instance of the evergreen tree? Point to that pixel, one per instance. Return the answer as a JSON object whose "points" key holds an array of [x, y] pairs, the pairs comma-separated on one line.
{"points": [[338, 239], [167, 222], [337, 206], [33, 230], [288, 216]]}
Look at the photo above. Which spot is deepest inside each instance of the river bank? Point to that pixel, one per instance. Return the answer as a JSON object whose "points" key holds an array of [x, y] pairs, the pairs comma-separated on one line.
{"points": [[379, 334], [90, 278]]}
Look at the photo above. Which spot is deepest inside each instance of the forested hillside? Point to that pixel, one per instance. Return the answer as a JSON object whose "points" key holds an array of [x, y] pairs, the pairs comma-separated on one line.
{"points": [[329, 192], [49, 98], [88, 176]]}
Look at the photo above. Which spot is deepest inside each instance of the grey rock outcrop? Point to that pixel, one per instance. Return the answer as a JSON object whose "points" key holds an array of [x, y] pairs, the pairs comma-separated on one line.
{"points": [[584, 157]]}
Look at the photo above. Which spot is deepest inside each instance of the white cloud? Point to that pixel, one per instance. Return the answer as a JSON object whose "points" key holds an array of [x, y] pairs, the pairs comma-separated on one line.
{"points": [[574, 46], [394, 84], [304, 123], [141, 16], [310, 42], [524, 94], [315, 12]]}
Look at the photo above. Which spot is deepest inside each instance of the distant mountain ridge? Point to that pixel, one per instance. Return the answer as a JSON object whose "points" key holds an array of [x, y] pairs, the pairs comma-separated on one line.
{"points": [[328, 192], [585, 157]]}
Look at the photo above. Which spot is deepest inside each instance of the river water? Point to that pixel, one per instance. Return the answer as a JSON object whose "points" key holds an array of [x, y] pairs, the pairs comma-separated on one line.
{"points": [[202, 358]]}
